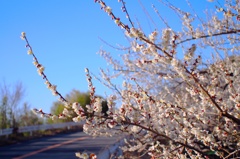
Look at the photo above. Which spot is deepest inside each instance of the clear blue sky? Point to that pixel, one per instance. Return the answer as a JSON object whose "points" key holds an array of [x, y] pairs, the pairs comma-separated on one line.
{"points": [[65, 38]]}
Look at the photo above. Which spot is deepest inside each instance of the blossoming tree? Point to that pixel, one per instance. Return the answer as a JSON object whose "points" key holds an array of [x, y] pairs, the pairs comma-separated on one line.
{"points": [[173, 102]]}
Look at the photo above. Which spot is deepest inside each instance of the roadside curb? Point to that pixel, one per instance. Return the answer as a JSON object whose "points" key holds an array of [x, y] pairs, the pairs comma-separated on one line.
{"points": [[112, 150]]}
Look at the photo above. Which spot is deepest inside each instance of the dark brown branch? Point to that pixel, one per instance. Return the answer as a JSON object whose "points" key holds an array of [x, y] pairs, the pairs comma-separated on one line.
{"points": [[207, 36], [43, 74], [223, 113], [125, 10]]}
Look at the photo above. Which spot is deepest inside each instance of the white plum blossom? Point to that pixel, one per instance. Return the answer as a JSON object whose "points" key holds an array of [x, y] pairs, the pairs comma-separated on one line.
{"points": [[166, 35], [98, 105], [136, 32], [40, 69], [153, 36], [30, 52], [190, 52], [66, 112], [23, 35], [108, 9], [78, 119]]}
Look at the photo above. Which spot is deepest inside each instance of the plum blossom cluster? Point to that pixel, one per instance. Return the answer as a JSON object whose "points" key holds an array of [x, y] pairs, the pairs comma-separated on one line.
{"points": [[174, 102], [182, 107], [49, 85], [108, 10], [85, 155]]}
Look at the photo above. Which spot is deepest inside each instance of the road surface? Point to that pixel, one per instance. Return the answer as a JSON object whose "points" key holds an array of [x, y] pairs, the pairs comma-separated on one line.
{"points": [[61, 146]]}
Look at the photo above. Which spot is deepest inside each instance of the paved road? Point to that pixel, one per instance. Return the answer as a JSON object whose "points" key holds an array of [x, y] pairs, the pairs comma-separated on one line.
{"points": [[61, 146]]}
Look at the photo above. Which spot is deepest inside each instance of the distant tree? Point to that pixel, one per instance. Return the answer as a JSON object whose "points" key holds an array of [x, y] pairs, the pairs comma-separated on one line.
{"points": [[12, 112], [10, 98], [3, 113]]}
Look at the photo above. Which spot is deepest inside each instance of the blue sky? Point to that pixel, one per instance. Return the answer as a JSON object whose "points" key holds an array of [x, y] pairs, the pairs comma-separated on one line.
{"points": [[65, 38]]}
